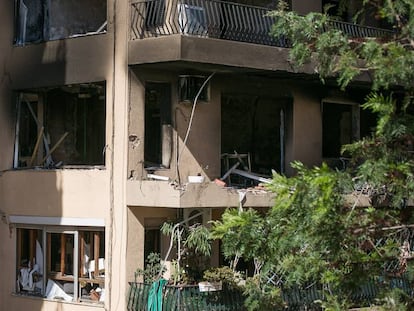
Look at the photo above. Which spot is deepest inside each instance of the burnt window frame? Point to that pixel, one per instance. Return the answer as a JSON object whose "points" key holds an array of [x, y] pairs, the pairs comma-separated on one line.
{"points": [[43, 18], [355, 119], [42, 141]]}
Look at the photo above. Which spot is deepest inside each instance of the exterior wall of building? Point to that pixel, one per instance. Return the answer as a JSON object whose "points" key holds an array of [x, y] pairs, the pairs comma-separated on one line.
{"points": [[305, 143], [57, 193], [201, 155], [88, 192], [139, 219]]}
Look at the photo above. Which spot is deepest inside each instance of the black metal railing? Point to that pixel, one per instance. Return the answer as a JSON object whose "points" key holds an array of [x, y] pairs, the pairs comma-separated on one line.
{"points": [[185, 298], [360, 31], [218, 19], [203, 18]]}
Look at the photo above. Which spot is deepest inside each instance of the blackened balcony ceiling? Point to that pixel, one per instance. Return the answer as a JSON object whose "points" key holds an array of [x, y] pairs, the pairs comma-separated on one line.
{"points": [[208, 51]]}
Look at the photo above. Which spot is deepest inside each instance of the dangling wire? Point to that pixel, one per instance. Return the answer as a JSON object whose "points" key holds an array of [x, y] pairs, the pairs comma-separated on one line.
{"points": [[191, 120]]}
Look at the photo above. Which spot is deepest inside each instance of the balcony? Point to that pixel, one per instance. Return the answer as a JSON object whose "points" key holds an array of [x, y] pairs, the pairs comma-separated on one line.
{"points": [[220, 20], [198, 31], [203, 18]]}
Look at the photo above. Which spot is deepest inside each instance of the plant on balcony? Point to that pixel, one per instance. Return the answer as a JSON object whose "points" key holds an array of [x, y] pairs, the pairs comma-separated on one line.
{"points": [[153, 269], [193, 245], [183, 292]]}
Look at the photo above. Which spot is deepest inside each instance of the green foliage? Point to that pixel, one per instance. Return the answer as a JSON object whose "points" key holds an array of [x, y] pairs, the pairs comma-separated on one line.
{"points": [[334, 303], [153, 268], [224, 274], [193, 244], [311, 235], [334, 53], [315, 234], [395, 300], [198, 239], [242, 233], [262, 296]]}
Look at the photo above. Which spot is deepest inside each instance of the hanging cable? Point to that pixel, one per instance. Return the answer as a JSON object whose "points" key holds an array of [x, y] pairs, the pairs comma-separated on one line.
{"points": [[191, 121]]}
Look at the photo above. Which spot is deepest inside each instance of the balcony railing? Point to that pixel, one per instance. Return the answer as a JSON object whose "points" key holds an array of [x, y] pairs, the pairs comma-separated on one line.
{"points": [[218, 19]]}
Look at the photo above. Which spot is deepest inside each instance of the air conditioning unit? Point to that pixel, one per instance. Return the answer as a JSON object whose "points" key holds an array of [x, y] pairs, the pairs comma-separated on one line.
{"points": [[197, 215], [189, 86]]}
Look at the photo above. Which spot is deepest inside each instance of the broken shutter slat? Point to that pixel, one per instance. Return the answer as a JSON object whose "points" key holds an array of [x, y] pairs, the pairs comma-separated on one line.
{"points": [[16, 139], [39, 138], [48, 157], [55, 146]]}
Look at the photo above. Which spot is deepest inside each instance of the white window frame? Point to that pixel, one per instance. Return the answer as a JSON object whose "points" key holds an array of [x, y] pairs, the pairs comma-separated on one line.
{"points": [[50, 229]]}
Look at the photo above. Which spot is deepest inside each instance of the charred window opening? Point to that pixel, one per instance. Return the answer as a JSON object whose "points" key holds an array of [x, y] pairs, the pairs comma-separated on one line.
{"points": [[30, 262], [43, 20], [343, 123], [152, 243], [61, 264], [254, 126], [340, 126], [60, 126], [158, 131]]}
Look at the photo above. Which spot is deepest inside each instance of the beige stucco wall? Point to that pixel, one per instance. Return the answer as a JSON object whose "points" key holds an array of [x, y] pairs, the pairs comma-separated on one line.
{"points": [[306, 136], [137, 217], [56, 193], [91, 193]]}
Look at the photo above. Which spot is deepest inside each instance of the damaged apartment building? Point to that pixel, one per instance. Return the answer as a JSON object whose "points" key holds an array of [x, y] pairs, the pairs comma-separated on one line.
{"points": [[117, 116]]}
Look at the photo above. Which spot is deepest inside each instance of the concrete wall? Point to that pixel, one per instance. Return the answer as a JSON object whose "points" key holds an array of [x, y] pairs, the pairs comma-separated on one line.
{"points": [[199, 155], [56, 193], [203, 148], [305, 143], [137, 218], [92, 193]]}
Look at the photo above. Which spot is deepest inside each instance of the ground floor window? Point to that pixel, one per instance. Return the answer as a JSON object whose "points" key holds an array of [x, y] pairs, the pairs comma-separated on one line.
{"points": [[61, 263]]}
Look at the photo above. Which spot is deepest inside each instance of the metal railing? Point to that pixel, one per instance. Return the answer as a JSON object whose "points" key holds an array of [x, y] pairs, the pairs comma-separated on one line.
{"points": [[187, 298], [203, 18], [360, 31], [218, 19]]}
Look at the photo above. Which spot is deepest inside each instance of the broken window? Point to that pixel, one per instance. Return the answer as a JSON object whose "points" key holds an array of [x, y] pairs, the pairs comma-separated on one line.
{"points": [[30, 262], [43, 20], [253, 128], [158, 131], [60, 126], [340, 126], [61, 264]]}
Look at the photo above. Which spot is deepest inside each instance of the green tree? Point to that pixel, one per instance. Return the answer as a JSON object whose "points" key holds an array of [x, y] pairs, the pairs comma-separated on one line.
{"points": [[317, 233]]}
